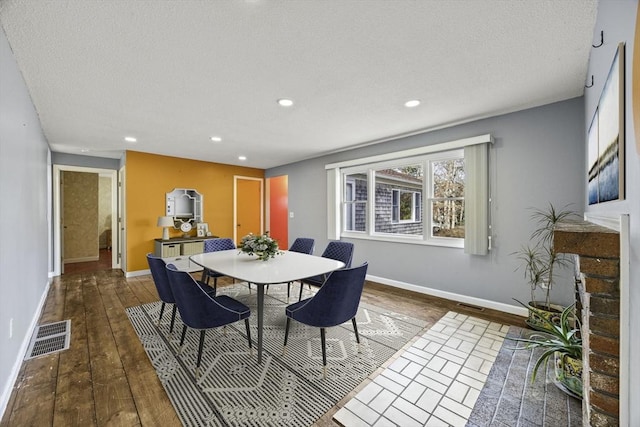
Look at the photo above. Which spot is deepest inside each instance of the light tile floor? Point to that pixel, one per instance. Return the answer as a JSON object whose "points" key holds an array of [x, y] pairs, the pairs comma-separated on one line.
{"points": [[435, 382]]}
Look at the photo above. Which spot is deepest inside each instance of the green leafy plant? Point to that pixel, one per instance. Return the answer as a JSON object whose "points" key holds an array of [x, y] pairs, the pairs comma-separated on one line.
{"points": [[538, 258], [562, 338], [263, 246]]}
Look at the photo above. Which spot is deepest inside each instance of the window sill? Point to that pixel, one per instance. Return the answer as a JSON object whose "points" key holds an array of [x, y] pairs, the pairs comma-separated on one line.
{"points": [[441, 242]]}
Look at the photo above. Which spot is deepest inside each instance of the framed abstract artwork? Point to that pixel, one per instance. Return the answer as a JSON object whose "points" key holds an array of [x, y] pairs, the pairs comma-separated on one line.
{"points": [[605, 139], [592, 150]]}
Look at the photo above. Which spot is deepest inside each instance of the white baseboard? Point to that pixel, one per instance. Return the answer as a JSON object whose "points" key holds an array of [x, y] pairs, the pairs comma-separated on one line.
{"points": [[507, 308], [13, 376], [82, 259], [128, 274]]}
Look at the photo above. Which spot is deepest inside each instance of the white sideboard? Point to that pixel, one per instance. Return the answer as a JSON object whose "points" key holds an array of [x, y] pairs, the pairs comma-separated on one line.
{"points": [[176, 251]]}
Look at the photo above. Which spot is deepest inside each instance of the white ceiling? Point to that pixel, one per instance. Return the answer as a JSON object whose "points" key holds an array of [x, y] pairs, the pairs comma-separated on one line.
{"points": [[174, 73]]}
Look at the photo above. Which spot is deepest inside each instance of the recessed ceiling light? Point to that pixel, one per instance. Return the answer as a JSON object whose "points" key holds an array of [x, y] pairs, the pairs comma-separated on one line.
{"points": [[284, 102], [84, 150], [216, 139], [412, 103], [130, 139], [242, 157]]}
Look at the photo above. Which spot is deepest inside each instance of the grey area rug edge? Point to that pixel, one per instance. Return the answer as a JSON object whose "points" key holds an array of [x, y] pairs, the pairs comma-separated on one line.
{"points": [[167, 344]]}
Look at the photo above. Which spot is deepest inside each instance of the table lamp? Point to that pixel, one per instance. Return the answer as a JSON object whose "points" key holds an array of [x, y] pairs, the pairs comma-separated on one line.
{"points": [[165, 222]]}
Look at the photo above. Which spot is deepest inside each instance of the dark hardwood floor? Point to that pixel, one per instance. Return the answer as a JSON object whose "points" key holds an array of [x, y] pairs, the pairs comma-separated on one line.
{"points": [[105, 377], [103, 263]]}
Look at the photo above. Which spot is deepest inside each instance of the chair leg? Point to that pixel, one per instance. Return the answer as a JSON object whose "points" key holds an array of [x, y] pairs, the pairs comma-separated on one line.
{"points": [[302, 286], [288, 290], [286, 336], [215, 286], [161, 311], [355, 329], [200, 345], [246, 324], [184, 333], [205, 277], [173, 318], [323, 341]]}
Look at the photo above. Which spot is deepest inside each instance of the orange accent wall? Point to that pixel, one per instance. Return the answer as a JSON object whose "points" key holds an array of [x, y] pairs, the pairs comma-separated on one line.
{"points": [[150, 176], [279, 210]]}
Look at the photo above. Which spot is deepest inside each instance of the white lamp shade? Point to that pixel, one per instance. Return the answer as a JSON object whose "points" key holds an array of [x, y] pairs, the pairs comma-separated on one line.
{"points": [[165, 221]]}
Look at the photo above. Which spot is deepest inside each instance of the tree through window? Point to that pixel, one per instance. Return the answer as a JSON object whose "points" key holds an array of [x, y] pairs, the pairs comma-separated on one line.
{"points": [[447, 198]]}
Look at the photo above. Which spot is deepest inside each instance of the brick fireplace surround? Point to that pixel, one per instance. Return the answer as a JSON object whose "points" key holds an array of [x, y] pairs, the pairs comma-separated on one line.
{"points": [[598, 251]]}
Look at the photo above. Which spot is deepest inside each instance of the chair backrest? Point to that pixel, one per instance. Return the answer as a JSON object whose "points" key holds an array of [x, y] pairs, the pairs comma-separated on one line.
{"points": [[218, 244], [303, 245], [197, 309], [159, 274], [337, 300], [340, 251]]}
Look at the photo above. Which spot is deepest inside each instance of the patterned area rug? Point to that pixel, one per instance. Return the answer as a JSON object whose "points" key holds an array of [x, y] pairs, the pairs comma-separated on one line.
{"points": [[234, 390]]}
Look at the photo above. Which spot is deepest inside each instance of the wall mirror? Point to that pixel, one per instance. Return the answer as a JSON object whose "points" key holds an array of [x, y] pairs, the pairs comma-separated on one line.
{"points": [[184, 205]]}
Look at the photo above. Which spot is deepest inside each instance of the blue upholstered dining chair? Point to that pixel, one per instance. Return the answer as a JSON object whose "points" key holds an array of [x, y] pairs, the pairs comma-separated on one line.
{"points": [[215, 245], [335, 302], [303, 245], [200, 310], [160, 279], [337, 250]]}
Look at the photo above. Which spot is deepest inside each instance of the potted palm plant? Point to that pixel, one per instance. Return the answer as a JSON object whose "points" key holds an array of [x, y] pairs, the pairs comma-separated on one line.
{"points": [[562, 343], [539, 261]]}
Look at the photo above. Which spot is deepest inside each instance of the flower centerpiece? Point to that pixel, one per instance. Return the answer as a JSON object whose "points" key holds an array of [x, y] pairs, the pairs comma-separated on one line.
{"points": [[264, 247]]}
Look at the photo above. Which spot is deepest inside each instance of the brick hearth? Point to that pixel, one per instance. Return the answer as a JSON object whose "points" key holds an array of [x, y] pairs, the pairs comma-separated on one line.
{"points": [[598, 250]]}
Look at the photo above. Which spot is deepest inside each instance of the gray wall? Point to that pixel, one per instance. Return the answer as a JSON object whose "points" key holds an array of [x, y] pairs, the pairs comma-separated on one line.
{"points": [[618, 21], [24, 213], [538, 157], [84, 161]]}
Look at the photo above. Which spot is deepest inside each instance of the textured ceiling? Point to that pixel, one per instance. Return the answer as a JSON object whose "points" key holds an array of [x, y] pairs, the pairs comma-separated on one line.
{"points": [[174, 73]]}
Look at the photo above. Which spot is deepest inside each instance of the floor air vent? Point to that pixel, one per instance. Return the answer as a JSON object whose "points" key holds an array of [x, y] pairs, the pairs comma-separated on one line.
{"points": [[471, 307], [49, 338]]}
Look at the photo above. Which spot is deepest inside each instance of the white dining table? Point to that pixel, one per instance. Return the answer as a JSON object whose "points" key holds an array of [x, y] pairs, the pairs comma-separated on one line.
{"points": [[283, 268]]}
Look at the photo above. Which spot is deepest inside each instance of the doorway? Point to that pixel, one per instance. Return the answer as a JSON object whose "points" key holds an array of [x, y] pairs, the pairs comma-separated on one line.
{"points": [[109, 235], [248, 207]]}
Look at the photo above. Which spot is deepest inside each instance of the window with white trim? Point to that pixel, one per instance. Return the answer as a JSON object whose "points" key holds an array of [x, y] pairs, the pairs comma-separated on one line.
{"points": [[446, 196], [394, 200], [406, 206], [398, 197], [435, 195], [355, 202]]}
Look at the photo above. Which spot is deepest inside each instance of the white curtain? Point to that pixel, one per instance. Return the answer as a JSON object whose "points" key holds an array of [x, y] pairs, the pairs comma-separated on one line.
{"points": [[333, 204], [476, 198]]}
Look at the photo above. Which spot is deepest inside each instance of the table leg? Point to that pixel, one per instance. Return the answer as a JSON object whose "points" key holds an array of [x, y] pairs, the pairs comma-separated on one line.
{"points": [[260, 319]]}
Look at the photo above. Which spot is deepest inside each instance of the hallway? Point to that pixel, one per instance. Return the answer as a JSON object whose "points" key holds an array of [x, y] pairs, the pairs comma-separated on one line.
{"points": [[103, 263]]}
